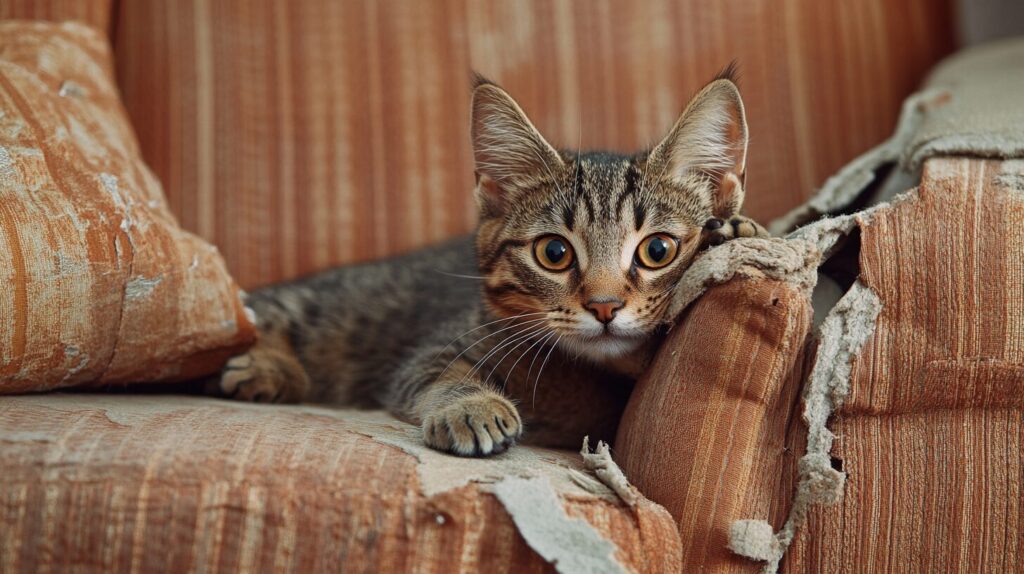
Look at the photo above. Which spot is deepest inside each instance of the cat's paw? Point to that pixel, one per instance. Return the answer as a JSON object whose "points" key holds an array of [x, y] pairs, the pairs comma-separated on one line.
{"points": [[475, 425], [718, 231], [262, 377]]}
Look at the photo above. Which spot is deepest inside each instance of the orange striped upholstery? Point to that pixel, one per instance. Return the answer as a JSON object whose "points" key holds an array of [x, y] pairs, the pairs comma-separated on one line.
{"points": [[96, 13], [296, 135], [931, 435], [705, 432], [98, 484]]}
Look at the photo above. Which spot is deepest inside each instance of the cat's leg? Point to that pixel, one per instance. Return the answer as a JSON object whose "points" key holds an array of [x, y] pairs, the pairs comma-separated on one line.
{"points": [[270, 372], [456, 411], [718, 231]]}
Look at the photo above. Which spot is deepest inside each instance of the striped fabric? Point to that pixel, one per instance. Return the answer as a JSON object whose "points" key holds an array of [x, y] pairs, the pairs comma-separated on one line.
{"points": [[296, 135], [932, 434], [98, 284], [96, 13], [708, 432], [97, 484]]}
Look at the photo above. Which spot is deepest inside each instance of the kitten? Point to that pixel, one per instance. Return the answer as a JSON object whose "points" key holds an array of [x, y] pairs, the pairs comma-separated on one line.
{"points": [[544, 322]]}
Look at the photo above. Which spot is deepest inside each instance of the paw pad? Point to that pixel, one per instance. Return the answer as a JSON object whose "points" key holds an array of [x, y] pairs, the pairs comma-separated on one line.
{"points": [[719, 231]]}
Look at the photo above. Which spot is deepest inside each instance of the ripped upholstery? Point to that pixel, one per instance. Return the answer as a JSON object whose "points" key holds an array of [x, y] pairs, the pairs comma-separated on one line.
{"points": [[902, 452], [176, 484], [928, 433]]}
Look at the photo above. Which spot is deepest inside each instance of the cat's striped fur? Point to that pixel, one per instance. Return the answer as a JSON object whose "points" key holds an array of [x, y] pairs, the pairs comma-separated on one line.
{"points": [[480, 339]]}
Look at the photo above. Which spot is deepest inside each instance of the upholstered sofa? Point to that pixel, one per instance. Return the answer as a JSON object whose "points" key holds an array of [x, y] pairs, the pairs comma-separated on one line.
{"points": [[843, 397]]}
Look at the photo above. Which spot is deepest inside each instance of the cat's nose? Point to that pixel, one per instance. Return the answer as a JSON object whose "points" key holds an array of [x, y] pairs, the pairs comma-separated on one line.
{"points": [[604, 309]]}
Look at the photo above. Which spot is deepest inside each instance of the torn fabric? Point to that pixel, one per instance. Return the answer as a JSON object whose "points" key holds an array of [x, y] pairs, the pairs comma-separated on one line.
{"points": [[601, 464], [794, 261], [970, 106], [843, 333], [570, 544]]}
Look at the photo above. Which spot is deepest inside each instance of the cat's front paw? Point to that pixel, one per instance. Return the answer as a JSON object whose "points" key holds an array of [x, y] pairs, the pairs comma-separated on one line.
{"points": [[718, 231], [475, 425], [261, 376]]}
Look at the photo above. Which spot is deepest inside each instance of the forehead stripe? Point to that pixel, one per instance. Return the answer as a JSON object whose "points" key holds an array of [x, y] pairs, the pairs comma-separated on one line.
{"points": [[639, 214], [628, 190], [581, 190]]}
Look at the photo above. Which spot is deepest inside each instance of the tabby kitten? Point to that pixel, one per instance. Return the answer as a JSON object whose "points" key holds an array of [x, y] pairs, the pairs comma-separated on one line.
{"points": [[546, 321]]}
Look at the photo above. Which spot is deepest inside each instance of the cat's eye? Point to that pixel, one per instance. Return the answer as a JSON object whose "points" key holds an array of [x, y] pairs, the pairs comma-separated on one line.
{"points": [[553, 252], [657, 250]]}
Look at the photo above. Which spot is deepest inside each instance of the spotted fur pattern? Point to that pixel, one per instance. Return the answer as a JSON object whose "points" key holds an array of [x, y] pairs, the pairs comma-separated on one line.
{"points": [[477, 340]]}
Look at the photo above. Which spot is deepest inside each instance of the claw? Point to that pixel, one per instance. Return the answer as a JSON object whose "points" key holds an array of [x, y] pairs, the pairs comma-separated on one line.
{"points": [[713, 224]]}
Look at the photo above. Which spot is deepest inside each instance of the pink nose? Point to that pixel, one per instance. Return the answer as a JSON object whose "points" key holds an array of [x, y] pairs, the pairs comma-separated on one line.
{"points": [[604, 309]]}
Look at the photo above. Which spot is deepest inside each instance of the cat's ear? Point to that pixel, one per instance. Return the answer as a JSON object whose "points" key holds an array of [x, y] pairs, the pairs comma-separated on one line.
{"points": [[709, 143], [510, 153]]}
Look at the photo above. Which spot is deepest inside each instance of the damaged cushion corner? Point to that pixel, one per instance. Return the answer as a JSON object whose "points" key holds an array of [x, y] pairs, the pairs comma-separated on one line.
{"points": [[982, 115], [98, 284]]}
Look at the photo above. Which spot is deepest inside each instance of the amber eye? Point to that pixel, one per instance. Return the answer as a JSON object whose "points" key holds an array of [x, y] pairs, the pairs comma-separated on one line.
{"points": [[553, 252], [657, 250]]}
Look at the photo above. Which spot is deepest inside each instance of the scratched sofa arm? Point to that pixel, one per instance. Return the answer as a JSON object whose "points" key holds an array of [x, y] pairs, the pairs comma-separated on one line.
{"points": [[889, 438], [706, 432]]}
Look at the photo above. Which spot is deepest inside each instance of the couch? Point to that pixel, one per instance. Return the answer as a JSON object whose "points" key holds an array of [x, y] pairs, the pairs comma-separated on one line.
{"points": [[844, 398]]}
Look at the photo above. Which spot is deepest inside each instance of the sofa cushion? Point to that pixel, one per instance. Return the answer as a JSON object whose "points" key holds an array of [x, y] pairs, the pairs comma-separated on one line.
{"points": [[98, 284], [103, 483]]}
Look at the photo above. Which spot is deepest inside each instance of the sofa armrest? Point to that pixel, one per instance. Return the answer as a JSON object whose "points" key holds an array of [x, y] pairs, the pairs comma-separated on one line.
{"points": [[705, 432]]}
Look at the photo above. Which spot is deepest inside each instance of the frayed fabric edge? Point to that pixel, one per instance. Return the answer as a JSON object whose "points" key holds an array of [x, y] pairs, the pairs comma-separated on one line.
{"points": [[601, 464], [569, 544], [825, 233], [794, 261], [843, 334]]}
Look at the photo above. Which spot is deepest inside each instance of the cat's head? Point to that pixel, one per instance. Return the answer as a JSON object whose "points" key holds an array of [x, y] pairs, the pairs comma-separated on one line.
{"points": [[590, 244]]}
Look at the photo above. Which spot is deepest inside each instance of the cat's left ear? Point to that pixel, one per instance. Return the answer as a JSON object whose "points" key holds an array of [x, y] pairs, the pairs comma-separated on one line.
{"points": [[709, 142]]}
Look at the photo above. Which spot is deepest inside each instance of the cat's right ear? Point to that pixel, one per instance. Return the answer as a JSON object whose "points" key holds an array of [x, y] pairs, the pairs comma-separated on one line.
{"points": [[509, 152]]}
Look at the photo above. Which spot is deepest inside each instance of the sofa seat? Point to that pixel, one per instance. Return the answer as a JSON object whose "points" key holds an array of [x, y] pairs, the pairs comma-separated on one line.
{"points": [[112, 483]]}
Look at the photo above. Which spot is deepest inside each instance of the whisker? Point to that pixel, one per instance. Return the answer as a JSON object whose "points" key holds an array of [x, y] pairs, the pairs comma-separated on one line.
{"points": [[458, 275], [510, 340], [452, 342], [480, 340], [534, 361], [539, 341], [541, 370], [512, 350]]}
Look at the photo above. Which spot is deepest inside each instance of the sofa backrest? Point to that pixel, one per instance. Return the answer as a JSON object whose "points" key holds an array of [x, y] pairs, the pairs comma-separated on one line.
{"points": [[298, 135]]}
